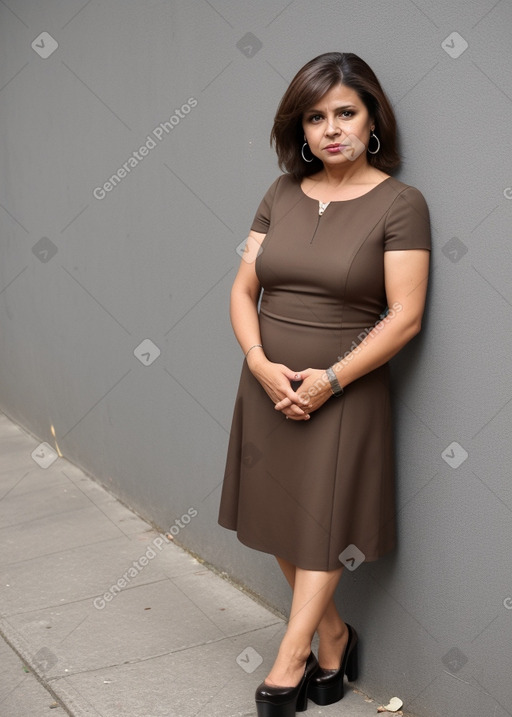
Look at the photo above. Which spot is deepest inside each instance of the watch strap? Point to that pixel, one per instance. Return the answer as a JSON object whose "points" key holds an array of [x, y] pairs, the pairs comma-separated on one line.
{"points": [[335, 386]]}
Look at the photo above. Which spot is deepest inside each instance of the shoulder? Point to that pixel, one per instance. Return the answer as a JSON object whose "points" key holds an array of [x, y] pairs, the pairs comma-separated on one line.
{"points": [[280, 187], [271, 199], [405, 200], [406, 192], [407, 219]]}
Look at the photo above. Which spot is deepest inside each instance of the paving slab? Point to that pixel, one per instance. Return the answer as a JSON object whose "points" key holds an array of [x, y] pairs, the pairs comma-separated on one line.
{"points": [[48, 500], [54, 534], [26, 480], [51, 580], [205, 681], [21, 694], [111, 618]]}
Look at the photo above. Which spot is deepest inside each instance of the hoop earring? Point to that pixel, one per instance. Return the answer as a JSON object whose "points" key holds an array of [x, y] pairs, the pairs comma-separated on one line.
{"points": [[378, 143], [302, 153]]}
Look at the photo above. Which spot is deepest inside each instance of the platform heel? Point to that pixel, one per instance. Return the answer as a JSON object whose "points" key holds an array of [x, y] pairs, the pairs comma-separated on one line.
{"points": [[326, 686], [352, 669], [286, 701]]}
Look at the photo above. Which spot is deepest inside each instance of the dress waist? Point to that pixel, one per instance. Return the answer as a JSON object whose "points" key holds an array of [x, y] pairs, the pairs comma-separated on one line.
{"points": [[316, 324], [319, 311]]}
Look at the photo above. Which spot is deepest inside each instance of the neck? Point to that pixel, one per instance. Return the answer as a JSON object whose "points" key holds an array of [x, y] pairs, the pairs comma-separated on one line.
{"points": [[348, 173]]}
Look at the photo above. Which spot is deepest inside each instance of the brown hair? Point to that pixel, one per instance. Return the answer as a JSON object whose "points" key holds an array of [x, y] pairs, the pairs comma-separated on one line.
{"points": [[311, 83]]}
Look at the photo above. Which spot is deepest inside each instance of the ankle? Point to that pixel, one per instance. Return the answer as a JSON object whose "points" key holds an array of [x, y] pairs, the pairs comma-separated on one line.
{"points": [[333, 633], [297, 652], [289, 665]]}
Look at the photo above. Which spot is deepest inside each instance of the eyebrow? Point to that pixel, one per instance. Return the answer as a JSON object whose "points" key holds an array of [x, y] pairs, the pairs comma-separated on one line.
{"points": [[342, 107]]}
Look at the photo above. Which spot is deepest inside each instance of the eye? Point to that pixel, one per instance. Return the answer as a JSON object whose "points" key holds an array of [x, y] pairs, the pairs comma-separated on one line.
{"points": [[314, 118], [347, 113]]}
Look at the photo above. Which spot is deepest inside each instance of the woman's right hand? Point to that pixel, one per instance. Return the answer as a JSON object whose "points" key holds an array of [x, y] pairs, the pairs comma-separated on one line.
{"points": [[275, 378]]}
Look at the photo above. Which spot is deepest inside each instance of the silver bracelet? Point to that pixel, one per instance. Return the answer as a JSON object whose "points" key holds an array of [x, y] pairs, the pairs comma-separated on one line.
{"points": [[335, 386], [256, 346]]}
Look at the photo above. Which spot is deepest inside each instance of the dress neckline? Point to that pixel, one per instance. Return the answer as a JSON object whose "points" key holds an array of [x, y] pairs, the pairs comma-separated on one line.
{"points": [[343, 201]]}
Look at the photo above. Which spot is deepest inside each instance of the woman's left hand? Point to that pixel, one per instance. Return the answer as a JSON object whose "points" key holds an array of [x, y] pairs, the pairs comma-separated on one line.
{"points": [[315, 386]]}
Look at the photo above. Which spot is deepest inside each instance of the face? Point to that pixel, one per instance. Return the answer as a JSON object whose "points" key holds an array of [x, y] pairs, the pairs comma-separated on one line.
{"points": [[337, 128]]}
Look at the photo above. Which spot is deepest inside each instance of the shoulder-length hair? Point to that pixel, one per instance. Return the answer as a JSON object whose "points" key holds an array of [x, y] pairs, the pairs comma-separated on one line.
{"points": [[311, 83]]}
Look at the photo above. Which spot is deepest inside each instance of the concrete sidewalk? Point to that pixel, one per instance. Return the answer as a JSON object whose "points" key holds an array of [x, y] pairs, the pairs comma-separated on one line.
{"points": [[101, 616]]}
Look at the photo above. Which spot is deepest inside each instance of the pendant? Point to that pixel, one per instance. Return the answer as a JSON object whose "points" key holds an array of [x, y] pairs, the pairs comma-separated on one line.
{"points": [[322, 206]]}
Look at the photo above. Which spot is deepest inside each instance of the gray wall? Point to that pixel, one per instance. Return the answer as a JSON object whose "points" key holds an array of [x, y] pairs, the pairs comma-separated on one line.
{"points": [[85, 280]]}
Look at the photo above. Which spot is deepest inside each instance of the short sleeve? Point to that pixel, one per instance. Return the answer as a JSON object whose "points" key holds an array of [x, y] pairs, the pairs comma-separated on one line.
{"points": [[407, 223], [261, 221]]}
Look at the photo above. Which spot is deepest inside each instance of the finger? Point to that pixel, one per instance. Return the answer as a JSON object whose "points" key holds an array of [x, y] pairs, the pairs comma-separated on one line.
{"points": [[304, 417], [282, 404], [291, 398], [292, 375], [299, 399], [294, 411], [286, 406], [305, 373]]}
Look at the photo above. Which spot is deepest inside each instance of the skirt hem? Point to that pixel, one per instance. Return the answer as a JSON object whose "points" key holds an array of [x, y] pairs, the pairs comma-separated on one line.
{"points": [[326, 566]]}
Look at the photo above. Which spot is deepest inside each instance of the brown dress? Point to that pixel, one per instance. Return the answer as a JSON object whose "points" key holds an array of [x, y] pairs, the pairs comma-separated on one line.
{"points": [[306, 490]]}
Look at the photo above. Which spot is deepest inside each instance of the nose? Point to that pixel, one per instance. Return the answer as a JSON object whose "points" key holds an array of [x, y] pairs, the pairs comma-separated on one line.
{"points": [[332, 128]]}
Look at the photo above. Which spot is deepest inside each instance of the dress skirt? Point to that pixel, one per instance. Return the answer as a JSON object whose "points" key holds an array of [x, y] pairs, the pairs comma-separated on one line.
{"points": [[306, 491]]}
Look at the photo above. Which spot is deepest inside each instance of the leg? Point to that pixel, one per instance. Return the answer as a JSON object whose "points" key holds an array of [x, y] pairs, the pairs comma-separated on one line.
{"points": [[331, 629], [313, 590]]}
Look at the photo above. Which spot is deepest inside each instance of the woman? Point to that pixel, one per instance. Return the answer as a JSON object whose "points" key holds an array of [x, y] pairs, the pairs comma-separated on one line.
{"points": [[341, 251]]}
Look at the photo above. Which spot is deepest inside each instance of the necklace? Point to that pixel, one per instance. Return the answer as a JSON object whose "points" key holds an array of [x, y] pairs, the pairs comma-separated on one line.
{"points": [[322, 206]]}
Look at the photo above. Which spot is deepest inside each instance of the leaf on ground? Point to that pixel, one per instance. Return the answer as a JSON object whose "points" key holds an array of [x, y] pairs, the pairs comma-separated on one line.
{"points": [[394, 704]]}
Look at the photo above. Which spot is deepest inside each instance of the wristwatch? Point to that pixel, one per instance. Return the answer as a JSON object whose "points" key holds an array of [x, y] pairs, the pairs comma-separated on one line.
{"points": [[335, 386]]}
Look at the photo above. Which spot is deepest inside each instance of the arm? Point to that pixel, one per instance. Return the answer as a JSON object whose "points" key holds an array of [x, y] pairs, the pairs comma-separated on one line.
{"points": [[275, 378], [406, 275]]}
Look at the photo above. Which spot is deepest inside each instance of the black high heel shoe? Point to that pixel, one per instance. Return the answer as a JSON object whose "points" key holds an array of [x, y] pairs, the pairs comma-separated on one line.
{"points": [[285, 701], [326, 686]]}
